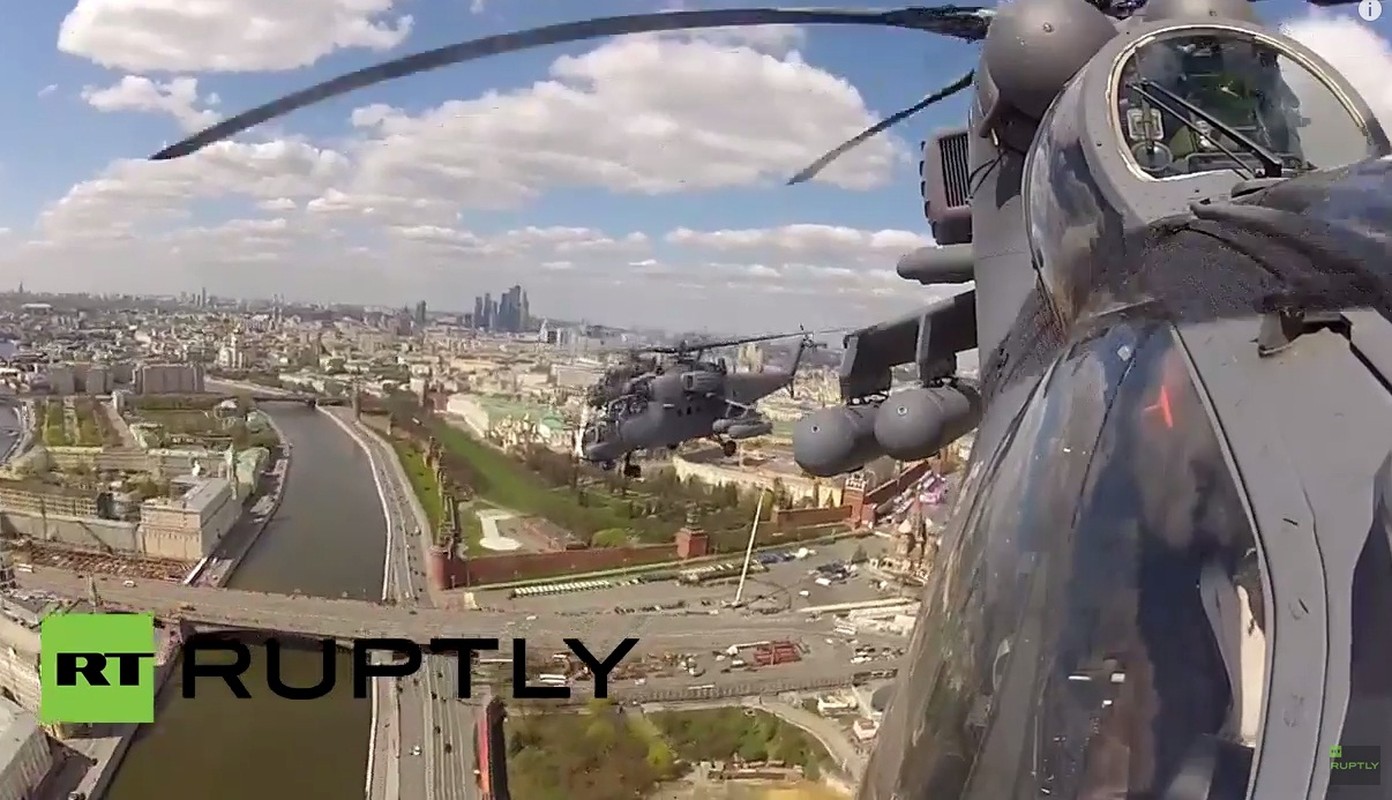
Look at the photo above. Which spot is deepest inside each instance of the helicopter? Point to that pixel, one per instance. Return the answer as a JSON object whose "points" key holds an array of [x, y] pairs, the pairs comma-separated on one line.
{"points": [[640, 364], [684, 399], [1162, 576]]}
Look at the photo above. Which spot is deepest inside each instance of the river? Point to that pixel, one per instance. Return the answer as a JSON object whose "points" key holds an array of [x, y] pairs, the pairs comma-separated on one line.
{"points": [[326, 539]]}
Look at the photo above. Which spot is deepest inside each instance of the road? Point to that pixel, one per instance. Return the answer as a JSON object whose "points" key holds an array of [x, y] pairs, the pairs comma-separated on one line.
{"points": [[14, 426], [306, 616], [829, 733], [435, 753]]}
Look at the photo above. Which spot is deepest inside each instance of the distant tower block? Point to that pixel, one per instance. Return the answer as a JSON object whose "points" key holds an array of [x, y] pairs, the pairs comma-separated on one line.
{"points": [[357, 402]]}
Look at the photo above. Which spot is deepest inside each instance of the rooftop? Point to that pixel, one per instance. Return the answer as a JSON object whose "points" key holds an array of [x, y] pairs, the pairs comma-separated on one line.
{"points": [[28, 608], [44, 487], [17, 727], [199, 495]]}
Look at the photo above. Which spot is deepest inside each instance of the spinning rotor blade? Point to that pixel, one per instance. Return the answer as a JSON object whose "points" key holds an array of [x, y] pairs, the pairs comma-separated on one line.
{"points": [[968, 23], [696, 347], [822, 163]]}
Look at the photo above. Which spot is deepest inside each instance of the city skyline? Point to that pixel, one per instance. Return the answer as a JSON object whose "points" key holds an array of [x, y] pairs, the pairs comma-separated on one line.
{"points": [[434, 187]]}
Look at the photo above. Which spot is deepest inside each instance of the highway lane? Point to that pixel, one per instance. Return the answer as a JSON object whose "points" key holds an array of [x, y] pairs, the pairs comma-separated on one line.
{"points": [[414, 754], [442, 771]]}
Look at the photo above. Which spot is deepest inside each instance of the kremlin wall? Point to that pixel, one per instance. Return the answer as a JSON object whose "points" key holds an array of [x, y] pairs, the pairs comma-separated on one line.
{"points": [[447, 568]]}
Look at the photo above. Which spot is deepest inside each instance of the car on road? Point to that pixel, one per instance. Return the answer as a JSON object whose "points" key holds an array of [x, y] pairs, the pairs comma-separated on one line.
{"points": [[415, 751], [129, 584]]}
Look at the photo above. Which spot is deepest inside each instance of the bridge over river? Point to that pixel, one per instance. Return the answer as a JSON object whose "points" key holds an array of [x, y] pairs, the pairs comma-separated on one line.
{"points": [[289, 397], [316, 617]]}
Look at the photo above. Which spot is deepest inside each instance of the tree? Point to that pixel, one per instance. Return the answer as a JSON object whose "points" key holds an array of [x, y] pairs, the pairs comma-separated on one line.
{"points": [[610, 537], [859, 556]]}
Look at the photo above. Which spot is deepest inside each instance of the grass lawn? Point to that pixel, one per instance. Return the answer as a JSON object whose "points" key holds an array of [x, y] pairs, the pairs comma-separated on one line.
{"points": [[422, 481], [510, 485]]}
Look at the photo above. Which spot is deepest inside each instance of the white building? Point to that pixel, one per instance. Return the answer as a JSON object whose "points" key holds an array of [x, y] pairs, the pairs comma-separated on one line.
{"points": [[832, 704], [19, 655], [169, 379], [471, 411], [864, 729], [189, 526], [232, 355], [25, 757]]}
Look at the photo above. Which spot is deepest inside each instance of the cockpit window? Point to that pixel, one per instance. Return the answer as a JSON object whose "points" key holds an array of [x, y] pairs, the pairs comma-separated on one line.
{"points": [[1095, 626], [1168, 85]]}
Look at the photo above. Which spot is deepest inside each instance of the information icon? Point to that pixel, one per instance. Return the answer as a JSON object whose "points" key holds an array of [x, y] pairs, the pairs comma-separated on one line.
{"points": [[1370, 10]]}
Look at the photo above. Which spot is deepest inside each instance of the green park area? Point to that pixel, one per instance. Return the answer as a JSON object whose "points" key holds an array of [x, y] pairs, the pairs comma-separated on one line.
{"points": [[81, 422], [607, 752], [599, 507], [427, 490], [198, 420], [507, 483]]}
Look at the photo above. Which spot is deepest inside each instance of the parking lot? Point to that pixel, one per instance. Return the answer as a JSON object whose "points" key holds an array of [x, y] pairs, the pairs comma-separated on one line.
{"points": [[780, 585]]}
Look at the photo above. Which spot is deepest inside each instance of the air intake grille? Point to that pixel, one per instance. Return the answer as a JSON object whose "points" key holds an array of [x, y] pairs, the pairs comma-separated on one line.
{"points": [[952, 149]]}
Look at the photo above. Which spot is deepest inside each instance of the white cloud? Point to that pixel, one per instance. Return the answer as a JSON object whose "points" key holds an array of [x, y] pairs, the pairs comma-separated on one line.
{"points": [[178, 98], [642, 114], [48, 90], [390, 216], [131, 193], [226, 35], [777, 39], [1355, 49], [819, 245]]}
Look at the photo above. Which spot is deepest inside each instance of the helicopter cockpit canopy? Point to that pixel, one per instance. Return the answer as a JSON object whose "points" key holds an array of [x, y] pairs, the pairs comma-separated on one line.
{"points": [[1172, 89]]}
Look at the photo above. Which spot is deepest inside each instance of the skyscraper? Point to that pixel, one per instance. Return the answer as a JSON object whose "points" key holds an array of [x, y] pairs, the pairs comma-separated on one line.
{"points": [[510, 313]]}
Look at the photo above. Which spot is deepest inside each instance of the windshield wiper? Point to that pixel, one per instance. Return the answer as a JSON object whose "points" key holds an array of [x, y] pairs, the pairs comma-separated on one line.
{"points": [[1271, 165]]}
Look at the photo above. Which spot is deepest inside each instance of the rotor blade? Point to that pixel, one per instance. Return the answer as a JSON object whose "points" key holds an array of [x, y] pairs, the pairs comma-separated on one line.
{"points": [[719, 343], [967, 23], [888, 122]]}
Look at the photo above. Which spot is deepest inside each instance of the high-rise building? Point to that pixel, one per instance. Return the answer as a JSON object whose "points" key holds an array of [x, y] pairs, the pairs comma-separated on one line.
{"points": [[510, 313], [420, 313]]}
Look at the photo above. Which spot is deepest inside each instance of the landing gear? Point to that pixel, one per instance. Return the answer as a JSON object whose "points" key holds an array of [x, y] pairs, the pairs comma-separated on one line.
{"points": [[630, 469], [728, 448]]}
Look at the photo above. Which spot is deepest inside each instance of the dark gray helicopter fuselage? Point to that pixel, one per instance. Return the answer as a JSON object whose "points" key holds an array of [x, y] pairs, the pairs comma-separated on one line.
{"points": [[682, 405]]}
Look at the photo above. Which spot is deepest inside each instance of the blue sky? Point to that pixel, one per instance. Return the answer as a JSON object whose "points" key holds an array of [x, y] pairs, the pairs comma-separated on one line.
{"points": [[57, 140], [891, 69]]}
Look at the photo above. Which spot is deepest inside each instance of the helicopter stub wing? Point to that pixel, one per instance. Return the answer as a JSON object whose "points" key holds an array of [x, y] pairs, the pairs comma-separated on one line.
{"points": [[930, 339]]}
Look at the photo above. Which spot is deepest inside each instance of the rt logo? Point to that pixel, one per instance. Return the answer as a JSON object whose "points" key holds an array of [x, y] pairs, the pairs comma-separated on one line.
{"points": [[97, 668]]}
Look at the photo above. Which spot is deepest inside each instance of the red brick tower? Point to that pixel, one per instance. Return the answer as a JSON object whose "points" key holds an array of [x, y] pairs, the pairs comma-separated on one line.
{"points": [[853, 497], [692, 542]]}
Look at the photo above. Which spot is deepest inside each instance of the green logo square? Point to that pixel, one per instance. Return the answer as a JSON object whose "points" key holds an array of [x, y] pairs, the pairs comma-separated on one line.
{"points": [[97, 668]]}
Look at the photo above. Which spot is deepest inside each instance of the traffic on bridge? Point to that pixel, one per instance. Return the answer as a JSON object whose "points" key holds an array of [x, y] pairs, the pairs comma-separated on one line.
{"points": [[314, 617]]}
